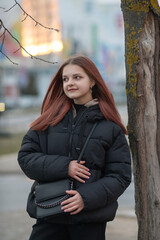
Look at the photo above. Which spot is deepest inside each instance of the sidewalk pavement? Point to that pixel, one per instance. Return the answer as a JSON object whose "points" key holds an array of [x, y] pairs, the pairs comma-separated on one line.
{"points": [[17, 225], [9, 164]]}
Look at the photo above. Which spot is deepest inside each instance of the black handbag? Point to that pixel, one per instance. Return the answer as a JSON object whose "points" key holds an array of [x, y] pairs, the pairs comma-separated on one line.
{"points": [[49, 196], [45, 199]]}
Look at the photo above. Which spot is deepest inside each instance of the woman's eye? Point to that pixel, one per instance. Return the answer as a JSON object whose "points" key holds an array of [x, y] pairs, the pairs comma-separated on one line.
{"points": [[77, 77], [65, 79]]}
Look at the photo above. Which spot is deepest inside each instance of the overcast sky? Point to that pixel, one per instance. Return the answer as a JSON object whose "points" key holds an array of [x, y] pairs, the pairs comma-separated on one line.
{"points": [[13, 14]]}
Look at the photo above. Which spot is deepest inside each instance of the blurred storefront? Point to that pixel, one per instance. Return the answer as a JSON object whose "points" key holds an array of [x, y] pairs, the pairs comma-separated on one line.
{"points": [[24, 86]]}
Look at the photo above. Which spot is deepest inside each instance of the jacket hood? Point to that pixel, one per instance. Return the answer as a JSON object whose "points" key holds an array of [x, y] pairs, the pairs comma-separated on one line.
{"points": [[93, 112]]}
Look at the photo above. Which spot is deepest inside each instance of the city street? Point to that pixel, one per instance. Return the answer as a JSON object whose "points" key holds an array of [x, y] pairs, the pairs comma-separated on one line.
{"points": [[35, 40]]}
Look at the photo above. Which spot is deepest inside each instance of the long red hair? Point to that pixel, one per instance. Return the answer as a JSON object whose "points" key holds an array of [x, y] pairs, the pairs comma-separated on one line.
{"points": [[56, 104]]}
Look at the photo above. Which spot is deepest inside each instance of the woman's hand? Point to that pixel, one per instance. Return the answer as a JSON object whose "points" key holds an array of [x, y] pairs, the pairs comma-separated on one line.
{"points": [[73, 204], [78, 171]]}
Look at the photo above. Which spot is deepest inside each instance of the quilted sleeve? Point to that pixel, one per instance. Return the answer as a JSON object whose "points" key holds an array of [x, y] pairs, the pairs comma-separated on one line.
{"points": [[37, 165], [116, 176]]}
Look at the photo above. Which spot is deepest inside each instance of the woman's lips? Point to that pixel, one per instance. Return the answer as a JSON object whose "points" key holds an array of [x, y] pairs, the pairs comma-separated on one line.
{"points": [[72, 89]]}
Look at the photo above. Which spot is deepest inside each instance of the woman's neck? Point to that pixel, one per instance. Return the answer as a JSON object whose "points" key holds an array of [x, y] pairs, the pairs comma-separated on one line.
{"points": [[78, 106]]}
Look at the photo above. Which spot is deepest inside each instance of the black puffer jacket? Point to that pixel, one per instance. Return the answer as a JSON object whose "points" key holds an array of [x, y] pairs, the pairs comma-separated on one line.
{"points": [[107, 156]]}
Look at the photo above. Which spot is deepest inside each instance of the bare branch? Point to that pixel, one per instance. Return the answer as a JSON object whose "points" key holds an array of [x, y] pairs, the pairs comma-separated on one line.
{"points": [[37, 23], [11, 8], [3, 39], [20, 46], [24, 17], [17, 50], [2, 8], [8, 57], [0, 26], [41, 59], [2, 35]]}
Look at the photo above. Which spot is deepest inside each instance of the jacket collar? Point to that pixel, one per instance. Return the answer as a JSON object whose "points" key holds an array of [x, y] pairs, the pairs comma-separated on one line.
{"points": [[93, 112], [91, 103]]}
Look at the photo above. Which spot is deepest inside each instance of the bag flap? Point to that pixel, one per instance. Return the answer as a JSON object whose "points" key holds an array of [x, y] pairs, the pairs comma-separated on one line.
{"points": [[51, 190]]}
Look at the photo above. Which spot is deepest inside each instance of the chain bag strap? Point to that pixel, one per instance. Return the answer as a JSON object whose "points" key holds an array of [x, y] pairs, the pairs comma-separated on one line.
{"points": [[66, 183]]}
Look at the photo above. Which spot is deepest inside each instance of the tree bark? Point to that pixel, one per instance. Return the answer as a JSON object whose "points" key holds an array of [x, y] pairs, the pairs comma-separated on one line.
{"points": [[143, 100]]}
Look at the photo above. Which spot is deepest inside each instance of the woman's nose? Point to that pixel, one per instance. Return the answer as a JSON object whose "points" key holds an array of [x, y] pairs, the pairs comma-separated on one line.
{"points": [[70, 81]]}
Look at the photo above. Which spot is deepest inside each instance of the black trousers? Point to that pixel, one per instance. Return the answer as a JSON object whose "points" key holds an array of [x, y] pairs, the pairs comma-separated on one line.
{"points": [[52, 231]]}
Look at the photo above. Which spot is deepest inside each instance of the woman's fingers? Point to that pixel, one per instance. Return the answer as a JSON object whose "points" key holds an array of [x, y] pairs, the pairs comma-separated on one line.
{"points": [[84, 171], [82, 162], [73, 204], [70, 192], [83, 175], [79, 179], [78, 171], [73, 210], [82, 166], [70, 207], [76, 211]]}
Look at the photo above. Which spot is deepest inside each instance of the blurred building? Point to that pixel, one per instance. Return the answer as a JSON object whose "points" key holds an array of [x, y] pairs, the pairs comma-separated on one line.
{"points": [[90, 27], [39, 40]]}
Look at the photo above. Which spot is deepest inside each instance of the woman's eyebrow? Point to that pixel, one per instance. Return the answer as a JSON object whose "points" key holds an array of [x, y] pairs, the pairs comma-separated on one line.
{"points": [[76, 74], [72, 74]]}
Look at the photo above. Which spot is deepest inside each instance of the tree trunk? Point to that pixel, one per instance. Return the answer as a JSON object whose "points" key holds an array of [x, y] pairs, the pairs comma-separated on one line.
{"points": [[143, 99]]}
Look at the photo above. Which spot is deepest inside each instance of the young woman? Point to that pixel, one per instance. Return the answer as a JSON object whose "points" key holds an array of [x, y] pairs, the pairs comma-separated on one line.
{"points": [[77, 98]]}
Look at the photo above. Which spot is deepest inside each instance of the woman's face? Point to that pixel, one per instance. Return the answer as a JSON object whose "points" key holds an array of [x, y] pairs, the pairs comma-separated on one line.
{"points": [[77, 84]]}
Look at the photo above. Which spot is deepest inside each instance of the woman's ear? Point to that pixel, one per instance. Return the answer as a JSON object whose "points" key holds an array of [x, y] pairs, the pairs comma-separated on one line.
{"points": [[93, 83]]}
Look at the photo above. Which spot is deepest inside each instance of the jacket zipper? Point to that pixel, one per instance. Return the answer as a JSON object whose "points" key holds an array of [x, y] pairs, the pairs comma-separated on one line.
{"points": [[72, 130], [70, 140]]}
